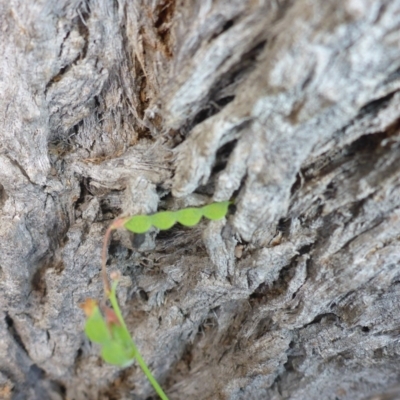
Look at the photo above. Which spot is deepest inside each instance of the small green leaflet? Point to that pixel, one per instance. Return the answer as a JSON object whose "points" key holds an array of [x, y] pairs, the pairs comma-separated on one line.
{"points": [[110, 333], [115, 353], [96, 328], [216, 211], [139, 224], [189, 216], [163, 220], [166, 219]]}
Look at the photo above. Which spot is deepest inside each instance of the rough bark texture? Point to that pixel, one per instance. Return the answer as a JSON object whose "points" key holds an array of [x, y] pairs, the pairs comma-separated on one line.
{"points": [[117, 107]]}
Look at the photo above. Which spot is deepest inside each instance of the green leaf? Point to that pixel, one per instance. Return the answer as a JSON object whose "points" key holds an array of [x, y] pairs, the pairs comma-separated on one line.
{"points": [[120, 334], [189, 216], [115, 353], [216, 210], [163, 220], [96, 328], [138, 224]]}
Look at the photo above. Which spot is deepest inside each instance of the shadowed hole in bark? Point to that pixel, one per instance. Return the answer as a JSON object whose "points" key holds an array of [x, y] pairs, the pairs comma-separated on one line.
{"points": [[209, 324], [62, 44], [226, 26], [285, 276], [267, 292], [305, 249], [143, 295], [110, 204], [259, 294], [38, 282], [114, 249], [367, 145], [330, 191], [223, 156], [78, 354], [99, 110], [61, 388], [378, 353], [34, 374], [59, 76], [14, 333], [297, 184], [61, 143], [169, 234], [83, 196], [217, 102], [367, 150], [295, 357], [264, 326], [137, 239], [284, 225], [222, 102], [164, 13], [212, 108], [3, 196], [245, 65], [326, 317], [143, 100], [232, 210], [72, 133], [377, 104]]}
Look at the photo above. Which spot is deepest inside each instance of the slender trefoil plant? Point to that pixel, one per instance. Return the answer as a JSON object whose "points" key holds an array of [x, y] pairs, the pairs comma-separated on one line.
{"points": [[105, 325]]}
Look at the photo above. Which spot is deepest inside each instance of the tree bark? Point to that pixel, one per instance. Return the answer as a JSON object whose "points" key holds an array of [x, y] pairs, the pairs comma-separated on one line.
{"points": [[116, 107]]}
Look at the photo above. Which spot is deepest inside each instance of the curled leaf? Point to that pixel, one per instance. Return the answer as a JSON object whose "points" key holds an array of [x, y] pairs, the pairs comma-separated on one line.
{"points": [[88, 307]]}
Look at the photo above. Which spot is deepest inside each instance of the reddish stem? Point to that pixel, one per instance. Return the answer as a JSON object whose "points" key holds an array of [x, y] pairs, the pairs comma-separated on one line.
{"points": [[117, 224]]}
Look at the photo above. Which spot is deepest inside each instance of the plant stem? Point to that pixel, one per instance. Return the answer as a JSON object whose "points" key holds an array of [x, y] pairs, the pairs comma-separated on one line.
{"points": [[104, 249], [141, 362], [117, 224]]}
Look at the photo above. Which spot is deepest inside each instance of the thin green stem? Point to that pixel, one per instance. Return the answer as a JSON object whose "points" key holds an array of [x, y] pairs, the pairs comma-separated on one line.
{"points": [[141, 362], [150, 376]]}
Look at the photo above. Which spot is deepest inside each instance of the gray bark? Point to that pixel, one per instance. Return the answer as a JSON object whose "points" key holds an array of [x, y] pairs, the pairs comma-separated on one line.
{"points": [[120, 107]]}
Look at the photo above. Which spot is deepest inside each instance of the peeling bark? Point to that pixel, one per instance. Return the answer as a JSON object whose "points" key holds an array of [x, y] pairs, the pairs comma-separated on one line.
{"points": [[114, 108]]}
